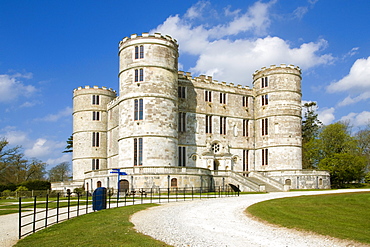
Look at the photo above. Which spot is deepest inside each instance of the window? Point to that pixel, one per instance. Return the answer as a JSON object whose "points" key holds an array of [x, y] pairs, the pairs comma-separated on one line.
{"points": [[245, 101], [138, 109], [265, 156], [223, 125], [95, 164], [95, 100], [264, 81], [222, 98], [181, 92], [136, 52], [139, 52], [208, 124], [245, 161], [95, 139], [173, 182], [182, 156], [215, 148], [139, 75], [265, 99], [182, 122], [96, 116], [264, 126], [138, 151], [208, 96], [245, 127]]}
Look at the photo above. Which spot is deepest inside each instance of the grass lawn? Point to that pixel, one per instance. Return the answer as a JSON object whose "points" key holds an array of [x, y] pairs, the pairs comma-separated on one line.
{"points": [[109, 227], [345, 216]]}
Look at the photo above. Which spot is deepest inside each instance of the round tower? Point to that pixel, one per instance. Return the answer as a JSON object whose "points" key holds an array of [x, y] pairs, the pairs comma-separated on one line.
{"points": [[278, 118], [90, 129], [148, 101]]}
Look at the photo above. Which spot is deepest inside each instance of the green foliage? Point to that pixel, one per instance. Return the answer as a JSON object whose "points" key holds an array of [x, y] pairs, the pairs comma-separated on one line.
{"points": [[310, 130], [37, 185], [22, 188], [69, 147], [110, 227], [367, 178], [10, 186], [344, 168], [79, 191], [344, 216]]}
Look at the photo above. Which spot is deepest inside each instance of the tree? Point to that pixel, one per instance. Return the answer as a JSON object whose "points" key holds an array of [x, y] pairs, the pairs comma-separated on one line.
{"points": [[60, 172], [69, 147], [339, 154], [310, 130], [344, 168], [15, 168], [363, 141], [310, 124]]}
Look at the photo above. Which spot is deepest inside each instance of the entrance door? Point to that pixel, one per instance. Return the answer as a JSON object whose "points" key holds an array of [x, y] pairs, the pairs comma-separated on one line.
{"points": [[124, 185]]}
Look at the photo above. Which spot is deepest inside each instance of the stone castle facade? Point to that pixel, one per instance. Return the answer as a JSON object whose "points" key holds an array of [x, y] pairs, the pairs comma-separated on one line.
{"points": [[167, 128]]}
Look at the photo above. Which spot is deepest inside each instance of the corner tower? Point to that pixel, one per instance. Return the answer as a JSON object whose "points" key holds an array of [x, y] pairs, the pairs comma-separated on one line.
{"points": [[278, 118], [148, 101], [90, 129]]}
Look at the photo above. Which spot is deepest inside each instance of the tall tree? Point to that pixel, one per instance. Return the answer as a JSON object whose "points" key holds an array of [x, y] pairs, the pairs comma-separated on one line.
{"points": [[310, 130], [339, 154], [59, 173], [69, 147], [363, 141]]}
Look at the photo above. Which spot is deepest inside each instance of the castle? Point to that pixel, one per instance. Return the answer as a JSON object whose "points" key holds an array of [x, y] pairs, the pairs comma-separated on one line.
{"points": [[168, 129]]}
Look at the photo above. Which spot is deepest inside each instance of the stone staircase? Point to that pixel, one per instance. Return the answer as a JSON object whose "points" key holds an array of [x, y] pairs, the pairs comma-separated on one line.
{"points": [[268, 187]]}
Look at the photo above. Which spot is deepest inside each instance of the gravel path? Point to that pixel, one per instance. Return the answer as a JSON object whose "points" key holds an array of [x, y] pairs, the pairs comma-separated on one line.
{"points": [[222, 222]]}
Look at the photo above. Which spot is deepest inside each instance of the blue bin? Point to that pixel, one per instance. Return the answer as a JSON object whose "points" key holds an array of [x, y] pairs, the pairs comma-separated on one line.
{"points": [[100, 199]]}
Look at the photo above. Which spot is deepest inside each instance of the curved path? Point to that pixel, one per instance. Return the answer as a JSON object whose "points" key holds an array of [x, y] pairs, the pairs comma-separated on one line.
{"points": [[222, 222]]}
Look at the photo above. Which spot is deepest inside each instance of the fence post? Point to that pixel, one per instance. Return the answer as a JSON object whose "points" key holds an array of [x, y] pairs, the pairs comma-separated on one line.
{"points": [[168, 194], [69, 200], [87, 201], [159, 194], [20, 219], [34, 215], [78, 204], [151, 195], [192, 193], [46, 212], [57, 207]]}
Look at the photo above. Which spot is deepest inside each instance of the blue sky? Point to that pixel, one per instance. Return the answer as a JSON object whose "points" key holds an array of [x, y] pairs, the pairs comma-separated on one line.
{"points": [[48, 48]]}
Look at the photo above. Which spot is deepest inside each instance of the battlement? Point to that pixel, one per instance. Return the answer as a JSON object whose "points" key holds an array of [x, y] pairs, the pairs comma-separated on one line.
{"points": [[147, 35], [95, 87], [207, 79], [274, 67]]}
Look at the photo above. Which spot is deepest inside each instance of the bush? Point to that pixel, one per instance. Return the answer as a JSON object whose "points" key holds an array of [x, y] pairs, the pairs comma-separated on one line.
{"points": [[367, 178], [11, 187], [21, 188], [37, 185]]}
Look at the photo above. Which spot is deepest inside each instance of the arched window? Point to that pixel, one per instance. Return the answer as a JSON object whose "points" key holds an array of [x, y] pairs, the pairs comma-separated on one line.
{"points": [[124, 185], [141, 51], [288, 182], [174, 182]]}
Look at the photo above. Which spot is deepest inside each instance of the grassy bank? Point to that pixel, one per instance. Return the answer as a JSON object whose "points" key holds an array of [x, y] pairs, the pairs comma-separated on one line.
{"points": [[345, 216], [103, 228]]}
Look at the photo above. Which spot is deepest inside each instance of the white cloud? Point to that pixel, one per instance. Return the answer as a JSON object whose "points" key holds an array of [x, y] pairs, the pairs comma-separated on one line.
{"points": [[326, 115], [67, 157], [357, 119], [11, 88], [357, 81], [43, 148], [235, 60], [67, 112], [14, 136]]}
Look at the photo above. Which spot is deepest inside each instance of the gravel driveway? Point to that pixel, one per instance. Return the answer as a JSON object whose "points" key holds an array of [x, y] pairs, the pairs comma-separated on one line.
{"points": [[222, 222]]}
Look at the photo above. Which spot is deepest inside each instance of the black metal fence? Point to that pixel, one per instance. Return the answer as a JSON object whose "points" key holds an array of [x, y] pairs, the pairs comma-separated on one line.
{"points": [[46, 211]]}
